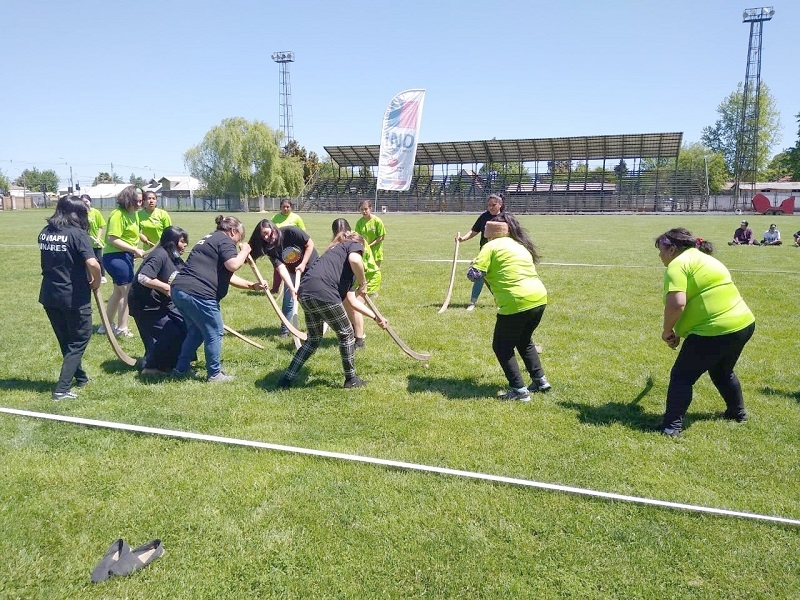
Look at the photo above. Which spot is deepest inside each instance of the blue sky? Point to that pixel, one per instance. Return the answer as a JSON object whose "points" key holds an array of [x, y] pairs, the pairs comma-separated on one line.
{"points": [[136, 84]]}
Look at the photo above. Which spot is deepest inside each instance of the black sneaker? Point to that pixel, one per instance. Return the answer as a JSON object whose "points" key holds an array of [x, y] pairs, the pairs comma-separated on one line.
{"points": [[522, 395], [539, 384], [283, 383], [670, 431], [83, 382], [361, 343], [355, 382], [739, 417]]}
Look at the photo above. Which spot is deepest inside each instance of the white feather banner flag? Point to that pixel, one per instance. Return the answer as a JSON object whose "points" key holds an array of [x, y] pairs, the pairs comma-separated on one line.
{"points": [[399, 140]]}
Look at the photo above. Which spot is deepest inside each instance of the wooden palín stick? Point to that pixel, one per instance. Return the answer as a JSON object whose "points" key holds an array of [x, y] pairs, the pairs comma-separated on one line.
{"points": [[244, 338], [295, 310], [292, 329], [423, 356], [446, 302], [110, 331]]}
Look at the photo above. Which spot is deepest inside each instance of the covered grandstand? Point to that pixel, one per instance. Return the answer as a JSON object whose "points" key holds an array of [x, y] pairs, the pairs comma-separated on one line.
{"points": [[629, 172]]}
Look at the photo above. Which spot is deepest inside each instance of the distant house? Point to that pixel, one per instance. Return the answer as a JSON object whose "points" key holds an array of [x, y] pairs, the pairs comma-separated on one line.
{"points": [[181, 186]]}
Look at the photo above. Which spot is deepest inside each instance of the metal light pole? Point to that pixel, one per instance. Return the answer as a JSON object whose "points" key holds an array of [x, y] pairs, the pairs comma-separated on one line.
{"points": [[285, 112], [746, 159]]}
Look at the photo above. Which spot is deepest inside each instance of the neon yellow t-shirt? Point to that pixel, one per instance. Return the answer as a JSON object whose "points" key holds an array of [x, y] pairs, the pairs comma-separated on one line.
{"points": [[371, 230], [511, 275], [153, 224], [123, 225], [96, 223], [292, 218], [713, 303]]}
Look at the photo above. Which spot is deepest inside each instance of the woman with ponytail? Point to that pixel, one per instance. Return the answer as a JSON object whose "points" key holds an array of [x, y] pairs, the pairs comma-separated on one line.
{"points": [[702, 305]]}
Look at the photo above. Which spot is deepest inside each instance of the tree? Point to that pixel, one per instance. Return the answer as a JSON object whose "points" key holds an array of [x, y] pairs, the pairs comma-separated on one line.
{"points": [[4, 183], [788, 162], [512, 172], [698, 157], [309, 160], [34, 179], [244, 159], [723, 135], [136, 180], [105, 177]]}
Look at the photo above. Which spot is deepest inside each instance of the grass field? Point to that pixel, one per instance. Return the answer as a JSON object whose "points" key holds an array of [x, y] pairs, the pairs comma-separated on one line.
{"points": [[247, 523]]}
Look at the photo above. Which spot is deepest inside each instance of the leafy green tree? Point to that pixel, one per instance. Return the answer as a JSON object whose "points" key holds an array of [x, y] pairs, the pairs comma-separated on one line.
{"points": [[787, 163], [510, 172], [136, 180], [559, 166], [4, 183], [309, 160], [244, 159], [105, 177], [34, 179], [722, 136]]}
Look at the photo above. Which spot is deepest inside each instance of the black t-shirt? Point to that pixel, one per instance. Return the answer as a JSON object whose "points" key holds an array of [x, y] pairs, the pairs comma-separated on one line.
{"points": [[65, 282], [205, 275], [330, 277], [158, 265], [480, 225], [290, 250]]}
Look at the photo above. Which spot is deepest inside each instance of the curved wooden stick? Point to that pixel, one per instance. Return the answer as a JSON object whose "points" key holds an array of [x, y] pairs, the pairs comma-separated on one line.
{"points": [[423, 356], [128, 360], [295, 310], [446, 302], [235, 333], [292, 329]]}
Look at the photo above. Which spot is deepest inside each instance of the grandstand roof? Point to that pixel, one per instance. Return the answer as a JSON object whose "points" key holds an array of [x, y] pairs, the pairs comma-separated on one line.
{"points": [[596, 147]]}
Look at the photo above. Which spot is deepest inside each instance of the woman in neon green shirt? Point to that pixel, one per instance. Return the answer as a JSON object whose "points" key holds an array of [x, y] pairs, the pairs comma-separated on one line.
{"points": [[152, 220], [702, 305], [507, 262], [287, 217]]}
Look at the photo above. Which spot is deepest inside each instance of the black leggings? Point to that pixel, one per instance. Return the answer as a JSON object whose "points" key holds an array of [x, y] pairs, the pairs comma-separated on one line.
{"points": [[516, 332], [715, 354]]}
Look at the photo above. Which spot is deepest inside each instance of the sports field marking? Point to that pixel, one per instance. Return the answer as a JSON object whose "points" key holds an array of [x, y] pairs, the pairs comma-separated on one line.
{"points": [[400, 465]]}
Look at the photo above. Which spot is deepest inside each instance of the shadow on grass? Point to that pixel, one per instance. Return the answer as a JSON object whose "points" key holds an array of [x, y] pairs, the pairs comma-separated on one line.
{"points": [[770, 391], [27, 384], [116, 366], [629, 414], [269, 381], [452, 387]]}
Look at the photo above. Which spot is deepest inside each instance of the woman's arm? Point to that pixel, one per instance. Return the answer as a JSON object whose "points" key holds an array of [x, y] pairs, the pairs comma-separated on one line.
{"points": [[673, 309], [243, 284], [125, 246], [235, 263], [359, 306], [306, 256], [468, 236]]}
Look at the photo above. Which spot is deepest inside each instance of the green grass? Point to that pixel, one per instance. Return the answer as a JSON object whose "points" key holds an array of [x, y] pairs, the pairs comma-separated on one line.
{"points": [[245, 523]]}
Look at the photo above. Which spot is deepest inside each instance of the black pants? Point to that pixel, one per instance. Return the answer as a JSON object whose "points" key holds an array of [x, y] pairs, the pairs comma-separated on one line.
{"points": [[162, 334], [516, 332], [98, 254], [73, 329], [698, 354]]}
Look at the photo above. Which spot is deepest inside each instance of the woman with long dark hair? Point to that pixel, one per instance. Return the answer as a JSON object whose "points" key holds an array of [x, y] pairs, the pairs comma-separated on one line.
{"points": [[703, 306], [159, 323], [508, 264], [198, 288], [69, 272], [495, 204]]}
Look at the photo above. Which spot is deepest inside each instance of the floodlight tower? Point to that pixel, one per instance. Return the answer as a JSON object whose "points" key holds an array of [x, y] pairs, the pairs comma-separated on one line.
{"points": [[746, 159], [285, 112]]}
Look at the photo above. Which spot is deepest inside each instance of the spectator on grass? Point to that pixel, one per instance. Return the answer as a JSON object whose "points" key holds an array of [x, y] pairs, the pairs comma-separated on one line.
{"points": [[772, 237], [328, 283], [371, 228], [70, 271], [198, 288], [96, 224], [743, 236], [373, 275], [161, 326], [152, 220], [291, 250], [495, 205], [122, 240], [287, 217], [702, 305], [508, 264]]}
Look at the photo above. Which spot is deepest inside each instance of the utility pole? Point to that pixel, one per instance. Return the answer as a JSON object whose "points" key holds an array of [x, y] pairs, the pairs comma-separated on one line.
{"points": [[285, 104]]}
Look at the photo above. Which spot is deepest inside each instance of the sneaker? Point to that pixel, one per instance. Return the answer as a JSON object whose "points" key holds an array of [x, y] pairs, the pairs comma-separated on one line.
{"points": [[283, 334], [82, 382], [361, 343], [283, 383], [522, 395], [539, 384], [740, 417], [220, 377], [670, 431], [471, 306], [102, 329], [103, 280], [355, 382], [185, 375], [70, 395], [147, 371], [123, 333]]}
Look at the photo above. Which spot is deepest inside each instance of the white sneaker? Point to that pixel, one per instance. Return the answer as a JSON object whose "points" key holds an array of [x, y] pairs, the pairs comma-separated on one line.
{"points": [[103, 280], [220, 377], [470, 306], [102, 329], [123, 333]]}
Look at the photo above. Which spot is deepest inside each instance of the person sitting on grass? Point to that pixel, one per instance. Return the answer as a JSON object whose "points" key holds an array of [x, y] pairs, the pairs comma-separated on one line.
{"points": [[743, 236], [325, 286], [772, 237], [508, 264]]}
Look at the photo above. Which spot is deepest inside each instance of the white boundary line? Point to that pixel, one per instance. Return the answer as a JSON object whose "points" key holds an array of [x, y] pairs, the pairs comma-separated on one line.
{"points": [[399, 465]]}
